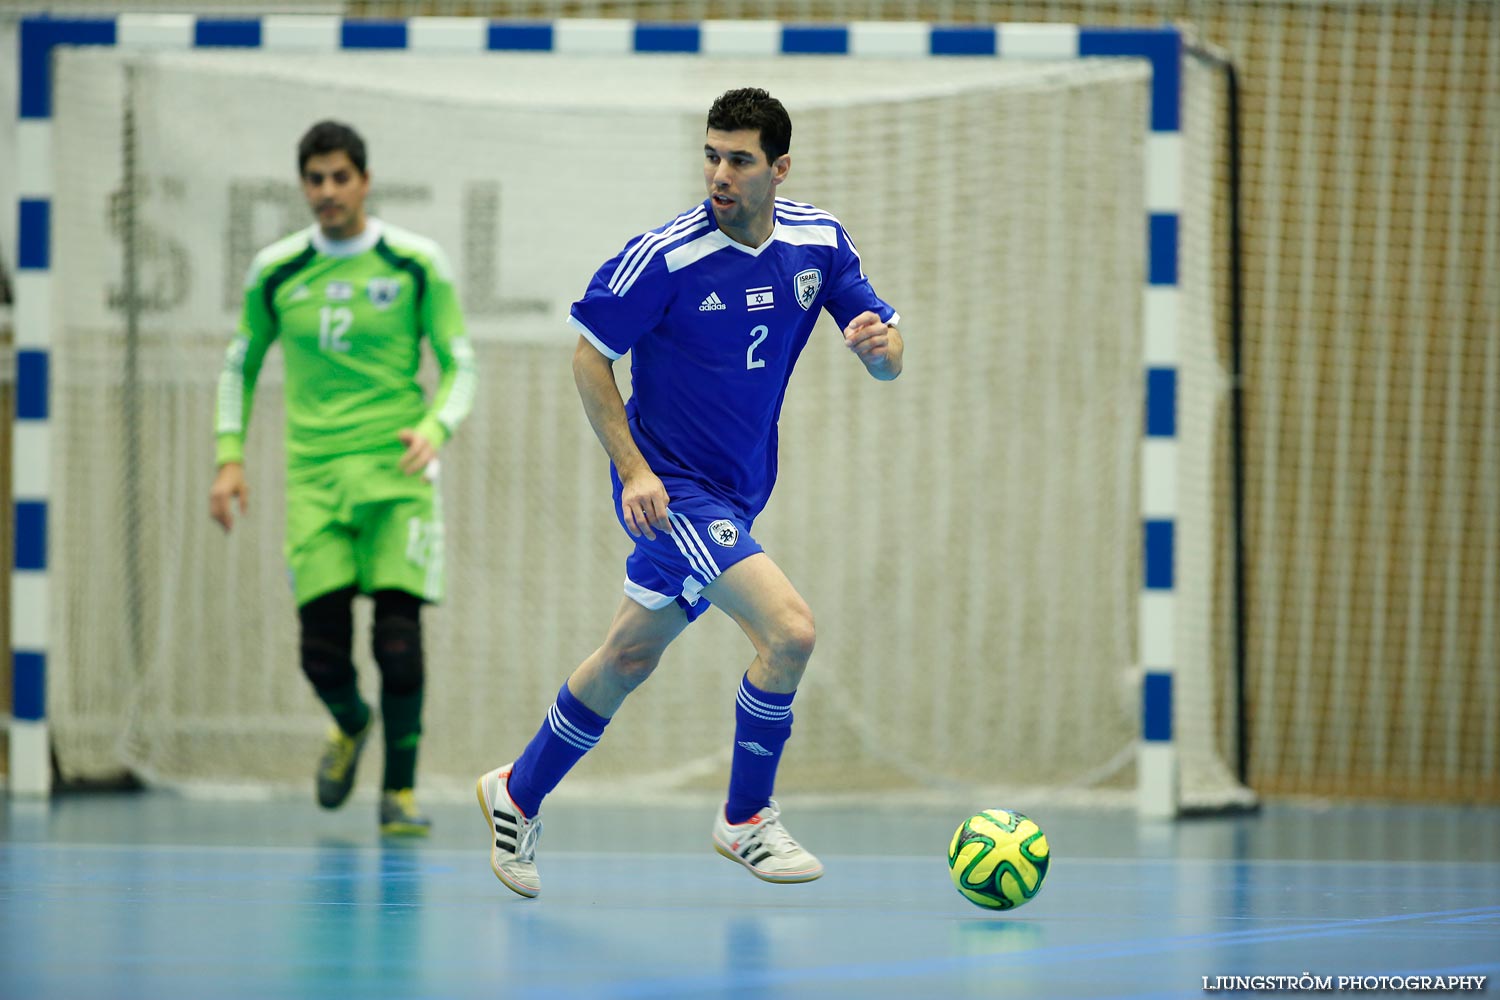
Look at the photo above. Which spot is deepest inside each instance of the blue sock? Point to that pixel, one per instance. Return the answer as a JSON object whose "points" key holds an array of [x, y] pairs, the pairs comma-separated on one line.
{"points": [[570, 730], [762, 724]]}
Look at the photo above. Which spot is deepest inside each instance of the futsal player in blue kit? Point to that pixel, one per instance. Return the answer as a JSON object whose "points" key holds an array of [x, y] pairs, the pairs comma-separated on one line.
{"points": [[714, 309]]}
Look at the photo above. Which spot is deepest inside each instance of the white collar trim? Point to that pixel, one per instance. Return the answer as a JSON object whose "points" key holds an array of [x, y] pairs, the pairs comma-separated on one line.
{"points": [[353, 245], [731, 242]]}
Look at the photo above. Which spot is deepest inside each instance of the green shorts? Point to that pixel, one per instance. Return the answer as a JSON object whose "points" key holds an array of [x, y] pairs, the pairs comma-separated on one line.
{"points": [[359, 520]]}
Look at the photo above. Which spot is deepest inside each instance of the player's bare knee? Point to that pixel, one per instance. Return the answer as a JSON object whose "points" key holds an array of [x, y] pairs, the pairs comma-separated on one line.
{"points": [[791, 640], [629, 664]]}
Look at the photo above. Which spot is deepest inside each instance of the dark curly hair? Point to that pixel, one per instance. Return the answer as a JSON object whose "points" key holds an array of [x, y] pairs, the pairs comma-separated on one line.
{"points": [[331, 137], [753, 108]]}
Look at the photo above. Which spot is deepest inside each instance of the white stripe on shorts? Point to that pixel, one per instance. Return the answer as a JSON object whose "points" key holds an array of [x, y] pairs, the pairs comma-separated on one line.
{"points": [[646, 597], [694, 541], [682, 537]]}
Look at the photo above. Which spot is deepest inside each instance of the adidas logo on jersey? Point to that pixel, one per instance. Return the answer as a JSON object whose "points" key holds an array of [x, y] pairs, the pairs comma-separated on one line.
{"points": [[712, 304], [755, 748]]}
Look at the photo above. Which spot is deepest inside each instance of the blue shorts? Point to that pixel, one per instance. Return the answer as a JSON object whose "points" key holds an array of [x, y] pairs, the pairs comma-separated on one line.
{"points": [[707, 537]]}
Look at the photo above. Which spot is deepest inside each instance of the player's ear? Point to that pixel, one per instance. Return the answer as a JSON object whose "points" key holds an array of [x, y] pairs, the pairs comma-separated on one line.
{"points": [[780, 167]]}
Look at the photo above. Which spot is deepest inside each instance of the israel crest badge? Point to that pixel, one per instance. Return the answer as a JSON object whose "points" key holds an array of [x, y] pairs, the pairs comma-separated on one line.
{"points": [[724, 532], [808, 282], [382, 291]]}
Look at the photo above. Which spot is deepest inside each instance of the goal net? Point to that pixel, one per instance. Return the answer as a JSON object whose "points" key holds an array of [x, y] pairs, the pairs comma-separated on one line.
{"points": [[968, 537]]}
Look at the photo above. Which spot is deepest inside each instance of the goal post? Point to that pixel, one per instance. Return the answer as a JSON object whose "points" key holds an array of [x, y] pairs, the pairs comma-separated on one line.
{"points": [[1058, 310]]}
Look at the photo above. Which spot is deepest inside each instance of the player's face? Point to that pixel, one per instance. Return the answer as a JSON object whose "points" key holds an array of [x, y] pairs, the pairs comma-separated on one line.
{"points": [[335, 190], [742, 183]]}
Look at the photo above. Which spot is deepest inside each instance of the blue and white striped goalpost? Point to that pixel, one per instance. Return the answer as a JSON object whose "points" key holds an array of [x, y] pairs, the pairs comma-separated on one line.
{"points": [[30, 758]]}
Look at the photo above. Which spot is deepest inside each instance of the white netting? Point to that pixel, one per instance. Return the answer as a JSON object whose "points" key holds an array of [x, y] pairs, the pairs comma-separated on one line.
{"points": [[968, 536], [1205, 716]]}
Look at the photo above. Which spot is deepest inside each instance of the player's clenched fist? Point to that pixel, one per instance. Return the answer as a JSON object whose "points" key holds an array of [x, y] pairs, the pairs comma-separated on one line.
{"points": [[643, 505], [876, 343]]}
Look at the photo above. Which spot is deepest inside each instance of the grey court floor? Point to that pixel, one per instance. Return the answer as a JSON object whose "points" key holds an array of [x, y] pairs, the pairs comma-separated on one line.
{"points": [[154, 895]]}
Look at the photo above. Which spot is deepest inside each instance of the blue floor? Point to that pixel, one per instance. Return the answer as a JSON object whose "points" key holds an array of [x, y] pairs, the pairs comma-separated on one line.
{"points": [[156, 896]]}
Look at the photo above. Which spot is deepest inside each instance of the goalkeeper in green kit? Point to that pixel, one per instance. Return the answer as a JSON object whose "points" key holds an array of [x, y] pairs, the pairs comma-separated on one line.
{"points": [[350, 299]]}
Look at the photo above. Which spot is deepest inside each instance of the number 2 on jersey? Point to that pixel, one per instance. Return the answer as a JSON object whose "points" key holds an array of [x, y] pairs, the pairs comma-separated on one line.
{"points": [[333, 323], [751, 361]]}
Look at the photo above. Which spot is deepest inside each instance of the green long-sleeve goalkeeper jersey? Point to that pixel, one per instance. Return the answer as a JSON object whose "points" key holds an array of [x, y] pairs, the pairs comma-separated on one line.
{"points": [[350, 316]]}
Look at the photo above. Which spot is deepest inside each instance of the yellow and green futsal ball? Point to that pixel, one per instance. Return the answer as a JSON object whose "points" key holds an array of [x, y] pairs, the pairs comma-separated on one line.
{"points": [[998, 859]]}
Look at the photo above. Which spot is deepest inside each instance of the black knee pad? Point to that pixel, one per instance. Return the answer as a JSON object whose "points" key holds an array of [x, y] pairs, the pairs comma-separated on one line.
{"points": [[328, 639], [397, 641]]}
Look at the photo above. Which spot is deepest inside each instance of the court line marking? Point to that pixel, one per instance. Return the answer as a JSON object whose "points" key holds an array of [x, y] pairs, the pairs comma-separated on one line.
{"points": [[1034, 958]]}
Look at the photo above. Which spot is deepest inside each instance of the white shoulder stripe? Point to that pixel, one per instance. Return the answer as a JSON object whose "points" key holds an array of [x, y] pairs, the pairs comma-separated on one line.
{"points": [[628, 259], [283, 249], [638, 249], [643, 243], [640, 254], [624, 278], [788, 209], [825, 236], [787, 215], [623, 285], [695, 250]]}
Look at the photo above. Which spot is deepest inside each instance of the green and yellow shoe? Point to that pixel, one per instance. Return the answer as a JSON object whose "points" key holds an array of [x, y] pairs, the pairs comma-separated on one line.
{"points": [[336, 768], [400, 816]]}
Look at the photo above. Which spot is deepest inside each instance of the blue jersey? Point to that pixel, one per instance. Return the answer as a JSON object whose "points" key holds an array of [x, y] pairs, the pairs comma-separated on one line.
{"points": [[714, 329]]}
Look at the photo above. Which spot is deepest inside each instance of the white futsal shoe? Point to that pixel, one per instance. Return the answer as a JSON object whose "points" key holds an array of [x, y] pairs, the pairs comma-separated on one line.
{"points": [[513, 836], [762, 845]]}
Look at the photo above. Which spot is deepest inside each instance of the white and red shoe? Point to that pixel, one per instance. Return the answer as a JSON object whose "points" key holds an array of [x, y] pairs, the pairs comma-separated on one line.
{"points": [[762, 845], [513, 851]]}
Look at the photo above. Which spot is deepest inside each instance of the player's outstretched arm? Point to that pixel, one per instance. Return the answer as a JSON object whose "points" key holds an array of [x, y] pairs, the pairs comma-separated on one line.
{"points": [[229, 486], [643, 501], [877, 344]]}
